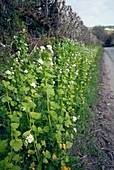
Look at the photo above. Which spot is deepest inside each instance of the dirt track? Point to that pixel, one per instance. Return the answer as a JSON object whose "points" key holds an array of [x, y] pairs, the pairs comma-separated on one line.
{"points": [[104, 114]]}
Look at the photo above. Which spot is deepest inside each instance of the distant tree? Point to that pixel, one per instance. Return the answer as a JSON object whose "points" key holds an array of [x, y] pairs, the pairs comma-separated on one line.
{"points": [[100, 33]]}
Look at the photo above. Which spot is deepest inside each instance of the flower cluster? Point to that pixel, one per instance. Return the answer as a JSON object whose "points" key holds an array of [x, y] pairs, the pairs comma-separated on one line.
{"points": [[40, 61], [50, 48], [33, 84], [42, 48], [29, 139], [8, 72]]}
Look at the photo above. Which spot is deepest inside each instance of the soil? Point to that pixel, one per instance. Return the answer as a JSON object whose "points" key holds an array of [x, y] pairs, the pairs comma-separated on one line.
{"points": [[103, 124]]}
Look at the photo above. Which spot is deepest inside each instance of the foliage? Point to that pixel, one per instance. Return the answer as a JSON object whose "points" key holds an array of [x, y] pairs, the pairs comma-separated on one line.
{"points": [[105, 34], [43, 100], [51, 18]]}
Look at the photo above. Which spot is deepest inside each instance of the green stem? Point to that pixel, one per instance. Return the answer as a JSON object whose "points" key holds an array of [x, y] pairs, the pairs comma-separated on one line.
{"points": [[11, 122], [36, 147], [48, 109]]}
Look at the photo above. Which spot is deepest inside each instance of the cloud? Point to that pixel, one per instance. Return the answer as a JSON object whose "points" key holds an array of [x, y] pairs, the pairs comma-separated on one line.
{"points": [[98, 12]]}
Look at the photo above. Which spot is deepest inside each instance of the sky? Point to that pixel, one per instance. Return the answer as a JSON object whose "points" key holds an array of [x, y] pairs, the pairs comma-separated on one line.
{"points": [[94, 12]]}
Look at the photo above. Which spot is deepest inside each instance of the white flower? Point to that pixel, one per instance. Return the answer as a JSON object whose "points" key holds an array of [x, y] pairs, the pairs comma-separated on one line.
{"points": [[21, 61], [49, 47], [67, 69], [60, 70], [26, 71], [18, 52], [33, 84], [3, 45], [72, 82], [40, 61], [74, 65], [50, 58], [29, 139], [40, 67], [42, 48], [24, 30], [75, 130], [74, 118], [51, 63], [12, 72], [16, 59], [8, 72], [25, 44], [23, 108], [53, 82], [77, 72]]}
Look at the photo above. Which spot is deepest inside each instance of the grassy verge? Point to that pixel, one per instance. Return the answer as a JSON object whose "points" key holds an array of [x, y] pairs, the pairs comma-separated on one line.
{"points": [[85, 150]]}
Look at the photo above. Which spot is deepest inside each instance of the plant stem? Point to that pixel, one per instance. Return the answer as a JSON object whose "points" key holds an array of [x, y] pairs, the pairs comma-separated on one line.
{"points": [[48, 106]]}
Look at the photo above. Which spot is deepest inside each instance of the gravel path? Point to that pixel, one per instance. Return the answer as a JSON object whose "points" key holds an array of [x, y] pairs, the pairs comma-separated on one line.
{"points": [[109, 64]]}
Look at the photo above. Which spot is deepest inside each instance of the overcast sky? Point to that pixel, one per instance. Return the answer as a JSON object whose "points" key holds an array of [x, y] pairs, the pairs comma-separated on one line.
{"points": [[94, 12]]}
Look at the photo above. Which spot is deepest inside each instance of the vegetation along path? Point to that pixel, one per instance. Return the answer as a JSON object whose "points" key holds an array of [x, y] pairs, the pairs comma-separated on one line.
{"points": [[104, 112]]}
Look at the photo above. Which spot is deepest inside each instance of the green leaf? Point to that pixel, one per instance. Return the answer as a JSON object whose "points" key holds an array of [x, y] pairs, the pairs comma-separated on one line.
{"points": [[53, 114], [48, 75], [17, 133], [34, 128], [40, 130], [31, 152], [11, 88], [15, 168], [68, 123], [50, 92], [60, 91], [27, 133], [46, 129], [47, 154], [67, 134], [3, 145], [16, 144], [54, 105], [13, 103], [68, 144], [39, 167], [60, 127], [35, 115], [6, 83], [15, 118], [66, 159], [14, 125], [16, 158], [45, 161], [43, 142], [32, 105], [5, 164], [59, 137], [60, 119], [6, 99], [19, 114], [38, 145]]}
